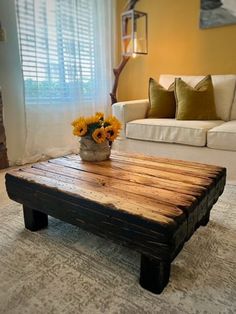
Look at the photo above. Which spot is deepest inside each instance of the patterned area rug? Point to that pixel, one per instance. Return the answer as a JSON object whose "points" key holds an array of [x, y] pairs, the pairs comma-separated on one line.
{"points": [[63, 269]]}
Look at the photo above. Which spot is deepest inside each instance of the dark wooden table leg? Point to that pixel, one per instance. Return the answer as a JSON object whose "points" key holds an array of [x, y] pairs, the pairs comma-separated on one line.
{"points": [[34, 220], [154, 275]]}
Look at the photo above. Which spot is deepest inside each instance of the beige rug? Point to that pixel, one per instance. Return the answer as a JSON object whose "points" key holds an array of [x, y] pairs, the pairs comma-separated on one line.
{"points": [[65, 270]]}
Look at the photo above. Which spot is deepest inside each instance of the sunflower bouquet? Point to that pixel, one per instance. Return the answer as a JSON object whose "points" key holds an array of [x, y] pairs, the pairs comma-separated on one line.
{"points": [[97, 127]]}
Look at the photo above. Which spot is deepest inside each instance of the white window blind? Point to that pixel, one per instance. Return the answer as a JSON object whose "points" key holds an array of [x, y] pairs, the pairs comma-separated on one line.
{"points": [[57, 45]]}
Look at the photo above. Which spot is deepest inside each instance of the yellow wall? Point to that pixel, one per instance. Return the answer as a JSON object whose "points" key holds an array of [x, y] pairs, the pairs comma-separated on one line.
{"points": [[176, 45]]}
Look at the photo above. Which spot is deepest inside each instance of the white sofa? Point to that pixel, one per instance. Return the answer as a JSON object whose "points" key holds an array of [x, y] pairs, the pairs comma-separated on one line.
{"points": [[209, 141]]}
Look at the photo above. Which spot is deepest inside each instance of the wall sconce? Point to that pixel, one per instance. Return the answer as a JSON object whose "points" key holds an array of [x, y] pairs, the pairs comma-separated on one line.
{"points": [[134, 34]]}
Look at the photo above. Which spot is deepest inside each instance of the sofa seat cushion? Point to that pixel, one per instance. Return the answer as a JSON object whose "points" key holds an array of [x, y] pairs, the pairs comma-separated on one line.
{"points": [[188, 132], [223, 136]]}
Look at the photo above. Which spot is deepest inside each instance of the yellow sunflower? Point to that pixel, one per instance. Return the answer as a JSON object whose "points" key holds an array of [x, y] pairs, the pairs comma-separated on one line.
{"points": [[100, 115], [111, 120], [78, 120], [80, 127], [99, 135], [111, 132], [92, 119]]}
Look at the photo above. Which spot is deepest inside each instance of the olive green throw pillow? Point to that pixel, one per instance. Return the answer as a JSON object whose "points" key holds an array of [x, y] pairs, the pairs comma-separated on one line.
{"points": [[162, 101], [195, 103]]}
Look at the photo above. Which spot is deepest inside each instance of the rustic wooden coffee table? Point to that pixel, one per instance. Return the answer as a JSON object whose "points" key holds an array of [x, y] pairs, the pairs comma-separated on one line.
{"points": [[152, 205]]}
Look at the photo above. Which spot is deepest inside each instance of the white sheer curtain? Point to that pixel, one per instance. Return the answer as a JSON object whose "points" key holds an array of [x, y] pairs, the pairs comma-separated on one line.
{"points": [[67, 54]]}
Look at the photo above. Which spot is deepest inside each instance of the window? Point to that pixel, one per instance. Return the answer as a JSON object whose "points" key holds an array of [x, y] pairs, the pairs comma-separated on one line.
{"points": [[57, 44]]}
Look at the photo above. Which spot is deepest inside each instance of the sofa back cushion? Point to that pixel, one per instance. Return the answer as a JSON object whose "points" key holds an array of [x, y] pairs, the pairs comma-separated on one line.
{"points": [[224, 89], [233, 110]]}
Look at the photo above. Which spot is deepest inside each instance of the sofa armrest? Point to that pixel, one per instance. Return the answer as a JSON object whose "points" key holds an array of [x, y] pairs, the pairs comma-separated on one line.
{"points": [[131, 110]]}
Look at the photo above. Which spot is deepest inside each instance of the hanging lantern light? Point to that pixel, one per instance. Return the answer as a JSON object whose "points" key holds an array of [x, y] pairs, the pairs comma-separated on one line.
{"points": [[134, 33]]}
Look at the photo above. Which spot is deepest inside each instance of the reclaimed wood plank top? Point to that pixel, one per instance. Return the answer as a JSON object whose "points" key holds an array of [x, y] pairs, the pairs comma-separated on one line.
{"points": [[158, 190]]}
